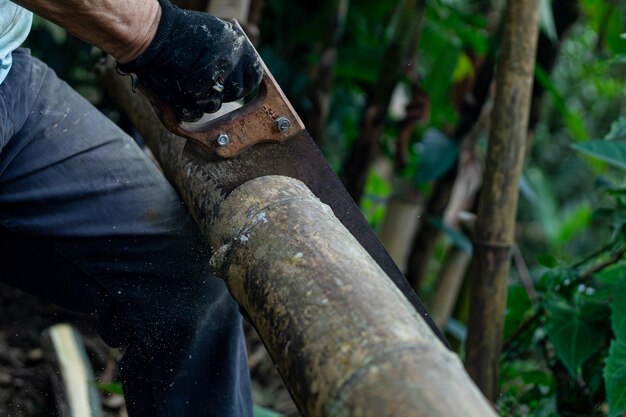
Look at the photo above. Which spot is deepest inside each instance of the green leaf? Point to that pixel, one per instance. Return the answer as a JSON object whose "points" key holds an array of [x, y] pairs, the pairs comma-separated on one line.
{"points": [[573, 120], [458, 238], [536, 187], [358, 64], [528, 372], [518, 306], [615, 378], [572, 222], [614, 41], [547, 260], [618, 129], [464, 68], [546, 21], [264, 412], [613, 275], [111, 388], [441, 49], [374, 201], [618, 318], [615, 368], [437, 154], [575, 337], [610, 151]]}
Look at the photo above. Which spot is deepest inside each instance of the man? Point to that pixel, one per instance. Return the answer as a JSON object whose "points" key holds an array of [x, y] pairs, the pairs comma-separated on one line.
{"points": [[88, 222]]}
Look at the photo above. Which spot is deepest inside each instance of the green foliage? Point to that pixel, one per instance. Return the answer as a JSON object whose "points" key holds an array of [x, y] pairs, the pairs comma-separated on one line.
{"points": [[575, 335], [449, 33], [613, 152], [436, 154], [615, 377], [518, 308], [573, 119], [560, 225], [615, 369], [111, 388], [580, 307], [527, 390], [264, 412], [373, 206], [456, 237], [546, 20], [608, 17]]}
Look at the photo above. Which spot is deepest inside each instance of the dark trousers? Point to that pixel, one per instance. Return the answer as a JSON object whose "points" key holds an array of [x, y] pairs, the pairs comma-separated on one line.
{"points": [[88, 222]]}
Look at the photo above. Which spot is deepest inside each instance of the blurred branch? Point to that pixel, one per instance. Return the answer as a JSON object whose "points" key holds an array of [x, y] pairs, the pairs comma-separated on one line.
{"points": [[613, 259], [397, 56], [524, 275], [316, 124]]}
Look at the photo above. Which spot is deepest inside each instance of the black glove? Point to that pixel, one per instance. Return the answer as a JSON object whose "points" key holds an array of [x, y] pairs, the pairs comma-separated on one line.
{"points": [[195, 62]]}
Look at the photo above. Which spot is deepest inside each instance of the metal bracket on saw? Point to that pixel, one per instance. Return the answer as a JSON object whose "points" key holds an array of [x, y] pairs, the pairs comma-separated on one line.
{"points": [[268, 117]]}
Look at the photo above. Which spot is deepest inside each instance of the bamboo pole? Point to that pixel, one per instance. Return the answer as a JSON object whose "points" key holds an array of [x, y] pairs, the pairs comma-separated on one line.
{"points": [[449, 281], [399, 225], [497, 210], [343, 337]]}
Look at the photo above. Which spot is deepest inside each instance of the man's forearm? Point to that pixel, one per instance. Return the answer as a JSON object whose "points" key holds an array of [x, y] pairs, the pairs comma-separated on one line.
{"points": [[123, 28]]}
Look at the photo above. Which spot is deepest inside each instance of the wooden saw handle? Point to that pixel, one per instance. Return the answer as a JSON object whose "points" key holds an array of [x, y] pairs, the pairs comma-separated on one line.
{"points": [[268, 117]]}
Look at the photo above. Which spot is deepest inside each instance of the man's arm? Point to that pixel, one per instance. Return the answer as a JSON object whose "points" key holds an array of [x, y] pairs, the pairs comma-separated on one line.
{"points": [[122, 28], [191, 61]]}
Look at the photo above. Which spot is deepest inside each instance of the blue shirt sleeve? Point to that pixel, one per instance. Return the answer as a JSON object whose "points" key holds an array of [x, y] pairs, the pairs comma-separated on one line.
{"points": [[15, 23]]}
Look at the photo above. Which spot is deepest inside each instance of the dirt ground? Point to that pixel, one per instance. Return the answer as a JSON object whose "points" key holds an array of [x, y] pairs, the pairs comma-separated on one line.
{"points": [[27, 383]]}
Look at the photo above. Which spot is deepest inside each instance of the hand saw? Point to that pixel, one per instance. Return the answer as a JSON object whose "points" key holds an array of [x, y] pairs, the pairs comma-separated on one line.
{"points": [[267, 137]]}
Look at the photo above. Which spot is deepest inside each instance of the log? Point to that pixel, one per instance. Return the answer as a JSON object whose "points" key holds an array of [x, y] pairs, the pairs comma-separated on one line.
{"points": [[343, 337]]}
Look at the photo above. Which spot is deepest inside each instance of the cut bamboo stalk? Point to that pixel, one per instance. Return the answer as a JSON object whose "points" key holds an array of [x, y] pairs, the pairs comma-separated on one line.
{"points": [[344, 338], [497, 208], [399, 225], [79, 396]]}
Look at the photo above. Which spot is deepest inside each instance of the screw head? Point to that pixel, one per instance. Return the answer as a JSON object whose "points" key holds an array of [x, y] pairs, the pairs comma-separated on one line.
{"points": [[282, 124], [223, 139]]}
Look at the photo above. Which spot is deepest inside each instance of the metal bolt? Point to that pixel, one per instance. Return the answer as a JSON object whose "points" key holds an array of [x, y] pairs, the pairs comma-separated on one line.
{"points": [[282, 124], [223, 139]]}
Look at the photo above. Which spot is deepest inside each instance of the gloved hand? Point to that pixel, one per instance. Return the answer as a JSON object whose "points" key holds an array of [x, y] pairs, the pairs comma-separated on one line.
{"points": [[195, 62]]}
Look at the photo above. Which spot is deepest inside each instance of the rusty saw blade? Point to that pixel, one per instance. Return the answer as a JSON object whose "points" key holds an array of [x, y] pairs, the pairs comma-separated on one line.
{"points": [[267, 137]]}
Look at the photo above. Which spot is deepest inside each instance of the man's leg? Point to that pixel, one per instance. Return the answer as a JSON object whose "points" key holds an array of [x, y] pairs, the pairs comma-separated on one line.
{"points": [[88, 222]]}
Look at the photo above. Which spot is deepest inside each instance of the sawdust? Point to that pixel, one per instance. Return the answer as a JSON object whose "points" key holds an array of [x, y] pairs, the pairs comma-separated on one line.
{"points": [[26, 386]]}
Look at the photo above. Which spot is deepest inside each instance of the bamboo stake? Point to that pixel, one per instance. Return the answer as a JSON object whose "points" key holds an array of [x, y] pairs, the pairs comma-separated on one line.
{"points": [[495, 226], [399, 225], [449, 281]]}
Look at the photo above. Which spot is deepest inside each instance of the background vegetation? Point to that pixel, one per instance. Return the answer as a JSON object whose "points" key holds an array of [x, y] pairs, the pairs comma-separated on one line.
{"points": [[398, 95]]}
